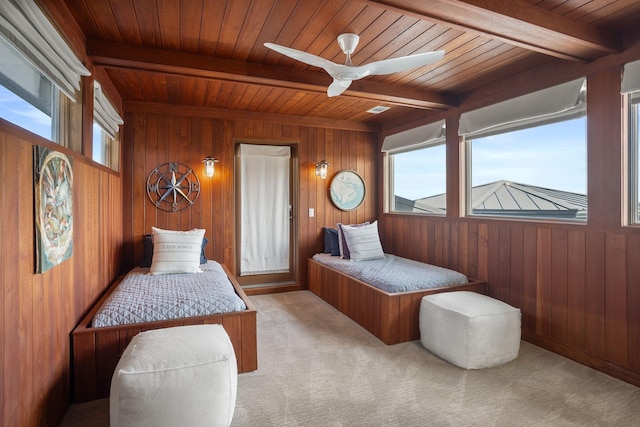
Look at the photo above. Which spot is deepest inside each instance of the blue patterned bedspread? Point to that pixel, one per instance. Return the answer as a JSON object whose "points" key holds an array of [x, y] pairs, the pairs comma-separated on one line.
{"points": [[144, 298]]}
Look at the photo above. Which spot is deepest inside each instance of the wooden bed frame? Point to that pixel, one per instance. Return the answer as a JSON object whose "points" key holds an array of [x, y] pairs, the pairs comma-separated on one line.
{"points": [[393, 318], [96, 351]]}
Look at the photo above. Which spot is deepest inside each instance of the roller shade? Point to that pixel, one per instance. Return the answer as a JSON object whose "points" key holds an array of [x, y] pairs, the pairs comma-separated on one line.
{"points": [[21, 78], [413, 139], [103, 112], [27, 29], [554, 104], [631, 78]]}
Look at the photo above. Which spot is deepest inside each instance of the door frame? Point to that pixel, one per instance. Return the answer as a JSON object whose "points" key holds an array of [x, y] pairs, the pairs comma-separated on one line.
{"points": [[277, 281]]}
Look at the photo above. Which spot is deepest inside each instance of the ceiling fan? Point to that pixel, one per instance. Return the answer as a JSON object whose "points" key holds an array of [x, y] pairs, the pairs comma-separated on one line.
{"points": [[343, 75]]}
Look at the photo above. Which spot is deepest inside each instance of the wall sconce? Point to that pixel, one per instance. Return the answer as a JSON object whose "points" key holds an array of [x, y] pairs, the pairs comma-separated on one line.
{"points": [[209, 167], [321, 168]]}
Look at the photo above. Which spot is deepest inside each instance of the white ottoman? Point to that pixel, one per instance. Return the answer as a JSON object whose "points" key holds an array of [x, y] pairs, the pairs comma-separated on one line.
{"points": [[470, 330], [182, 376]]}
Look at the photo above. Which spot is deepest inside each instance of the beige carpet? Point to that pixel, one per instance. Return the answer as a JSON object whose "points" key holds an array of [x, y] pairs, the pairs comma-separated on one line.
{"points": [[318, 368]]}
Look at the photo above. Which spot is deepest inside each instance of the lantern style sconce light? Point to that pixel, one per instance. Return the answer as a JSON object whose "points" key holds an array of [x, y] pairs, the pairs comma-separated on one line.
{"points": [[209, 165], [321, 169]]}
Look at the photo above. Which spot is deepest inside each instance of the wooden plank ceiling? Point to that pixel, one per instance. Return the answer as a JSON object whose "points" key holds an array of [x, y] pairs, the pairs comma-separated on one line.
{"points": [[210, 53]]}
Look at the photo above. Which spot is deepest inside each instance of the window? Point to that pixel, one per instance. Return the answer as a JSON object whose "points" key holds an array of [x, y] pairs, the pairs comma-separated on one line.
{"points": [[106, 125], [100, 145], [416, 170], [527, 157], [37, 65], [631, 88], [634, 158], [418, 180], [28, 98]]}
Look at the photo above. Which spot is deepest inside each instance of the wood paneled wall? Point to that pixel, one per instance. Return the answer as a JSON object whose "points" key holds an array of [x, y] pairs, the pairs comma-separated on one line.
{"points": [[39, 311], [163, 134], [576, 284]]}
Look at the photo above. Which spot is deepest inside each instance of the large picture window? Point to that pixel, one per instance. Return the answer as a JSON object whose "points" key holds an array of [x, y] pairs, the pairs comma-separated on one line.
{"points": [[416, 170], [527, 157]]}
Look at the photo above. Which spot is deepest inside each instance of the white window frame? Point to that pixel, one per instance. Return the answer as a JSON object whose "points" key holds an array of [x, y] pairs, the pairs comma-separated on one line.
{"points": [[634, 153], [630, 87], [108, 120], [418, 138], [440, 210]]}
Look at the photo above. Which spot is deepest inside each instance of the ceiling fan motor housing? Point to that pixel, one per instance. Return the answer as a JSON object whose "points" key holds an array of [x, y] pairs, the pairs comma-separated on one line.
{"points": [[348, 43]]}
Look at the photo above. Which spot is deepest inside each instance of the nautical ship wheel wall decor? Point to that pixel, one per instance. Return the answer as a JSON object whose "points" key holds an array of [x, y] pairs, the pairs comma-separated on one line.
{"points": [[173, 186]]}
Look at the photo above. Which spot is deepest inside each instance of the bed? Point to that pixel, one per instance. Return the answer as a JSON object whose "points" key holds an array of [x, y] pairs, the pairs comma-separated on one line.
{"points": [[96, 350], [390, 314]]}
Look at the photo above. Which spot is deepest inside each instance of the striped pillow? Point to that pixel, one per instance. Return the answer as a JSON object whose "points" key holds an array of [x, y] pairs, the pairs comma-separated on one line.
{"points": [[176, 251], [363, 241], [342, 242]]}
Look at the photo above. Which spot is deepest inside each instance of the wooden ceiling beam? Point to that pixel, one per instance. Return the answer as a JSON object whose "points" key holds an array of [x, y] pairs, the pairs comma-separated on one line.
{"points": [[115, 55], [515, 22]]}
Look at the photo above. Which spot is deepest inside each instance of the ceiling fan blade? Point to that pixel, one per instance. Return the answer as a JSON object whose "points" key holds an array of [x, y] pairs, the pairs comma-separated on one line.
{"points": [[301, 56], [337, 87], [395, 65], [343, 75]]}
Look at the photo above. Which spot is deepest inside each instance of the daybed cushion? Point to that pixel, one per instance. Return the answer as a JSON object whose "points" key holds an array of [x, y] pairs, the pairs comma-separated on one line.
{"points": [[395, 274], [363, 242], [145, 298], [181, 376], [176, 251]]}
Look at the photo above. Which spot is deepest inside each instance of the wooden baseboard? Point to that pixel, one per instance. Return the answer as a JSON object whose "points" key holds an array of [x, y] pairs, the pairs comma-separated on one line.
{"points": [[583, 358], [271, 289]]}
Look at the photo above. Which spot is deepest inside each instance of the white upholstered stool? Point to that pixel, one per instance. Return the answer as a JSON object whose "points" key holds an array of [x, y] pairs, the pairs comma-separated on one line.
{"points": [[470, 330], [182, 376]]}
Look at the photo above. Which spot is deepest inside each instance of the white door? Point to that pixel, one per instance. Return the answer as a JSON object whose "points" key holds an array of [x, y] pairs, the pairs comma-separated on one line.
{"points": [[265, 214]]}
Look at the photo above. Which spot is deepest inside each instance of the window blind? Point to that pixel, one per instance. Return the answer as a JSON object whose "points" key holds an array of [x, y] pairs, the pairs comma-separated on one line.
{"points": [[27, 29], [413, 139], [103, 112], [554, 104], [631, 77]]}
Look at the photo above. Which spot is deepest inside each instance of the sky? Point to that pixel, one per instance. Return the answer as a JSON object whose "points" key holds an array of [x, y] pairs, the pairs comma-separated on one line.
{"points": [[551, 156], [15, 110]]}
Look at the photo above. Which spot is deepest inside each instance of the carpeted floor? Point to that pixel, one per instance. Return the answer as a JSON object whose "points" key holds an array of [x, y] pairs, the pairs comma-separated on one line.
{"points": [[316, 367]]}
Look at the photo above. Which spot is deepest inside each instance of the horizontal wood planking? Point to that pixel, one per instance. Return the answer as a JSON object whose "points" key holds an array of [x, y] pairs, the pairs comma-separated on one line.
{"points": [[39, 311]]}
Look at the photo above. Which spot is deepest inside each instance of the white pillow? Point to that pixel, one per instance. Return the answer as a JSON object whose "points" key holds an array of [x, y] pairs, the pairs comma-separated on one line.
{"points": [[342, 243], [176, 251], [363, 241]]}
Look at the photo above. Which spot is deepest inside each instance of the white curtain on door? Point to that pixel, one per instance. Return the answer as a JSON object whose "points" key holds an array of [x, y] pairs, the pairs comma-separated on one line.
{"points": [[264, 189]]}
